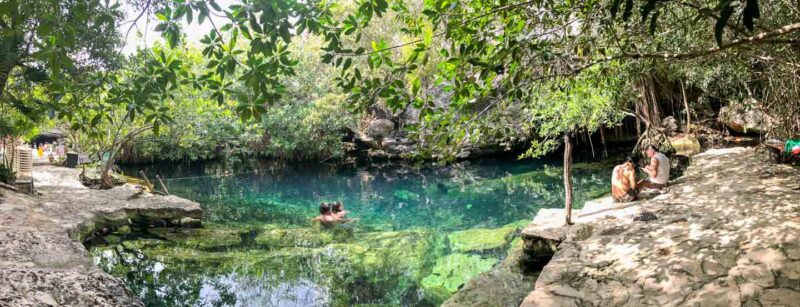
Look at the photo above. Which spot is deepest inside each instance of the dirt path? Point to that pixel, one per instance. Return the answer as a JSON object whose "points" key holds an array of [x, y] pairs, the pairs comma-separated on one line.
{"points": [[42, 260], [728, 234]]}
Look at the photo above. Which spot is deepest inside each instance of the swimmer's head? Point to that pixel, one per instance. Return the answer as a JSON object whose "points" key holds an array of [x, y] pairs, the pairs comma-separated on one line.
{"points": [[324, 208], [337, 207]]}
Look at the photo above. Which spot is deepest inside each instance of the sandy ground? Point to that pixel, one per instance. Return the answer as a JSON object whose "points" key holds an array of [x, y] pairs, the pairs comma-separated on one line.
{"points": [[727, 234], [42, 261]]}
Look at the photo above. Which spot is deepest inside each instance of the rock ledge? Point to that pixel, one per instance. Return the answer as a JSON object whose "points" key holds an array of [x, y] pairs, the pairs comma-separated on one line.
{"points": [[42, 260], [727, 234]]}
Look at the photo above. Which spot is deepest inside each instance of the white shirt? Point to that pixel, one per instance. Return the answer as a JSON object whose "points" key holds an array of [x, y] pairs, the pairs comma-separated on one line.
{"points": [[663, 169]]}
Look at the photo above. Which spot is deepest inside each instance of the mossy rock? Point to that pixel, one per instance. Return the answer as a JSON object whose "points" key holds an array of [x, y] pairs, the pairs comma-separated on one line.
{"points": [[506, 284], [452, 271], [382, 265], [300, 237], [204, 238], [481, 240], [113, 239], [407, 253]]}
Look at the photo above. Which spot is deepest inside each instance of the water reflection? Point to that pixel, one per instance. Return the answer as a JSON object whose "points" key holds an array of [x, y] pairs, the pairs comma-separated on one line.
{"points": [[386, 197]]}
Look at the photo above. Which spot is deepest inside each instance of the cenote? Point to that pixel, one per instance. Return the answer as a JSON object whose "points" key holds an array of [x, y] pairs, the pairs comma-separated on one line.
{"points": [[421, 232]]}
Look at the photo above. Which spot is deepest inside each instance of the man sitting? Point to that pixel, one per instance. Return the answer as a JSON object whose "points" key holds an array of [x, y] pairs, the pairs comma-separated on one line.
{"points": [[657, 171], [623, 182]]}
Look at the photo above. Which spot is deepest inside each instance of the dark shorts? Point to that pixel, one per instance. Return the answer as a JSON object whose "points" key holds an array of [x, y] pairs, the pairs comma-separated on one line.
{"points": [[652, 185], [627, 197]]}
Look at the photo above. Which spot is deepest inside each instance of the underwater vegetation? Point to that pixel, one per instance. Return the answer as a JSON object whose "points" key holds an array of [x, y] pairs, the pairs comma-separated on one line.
{"points": [[217, 265], [420, 236]]}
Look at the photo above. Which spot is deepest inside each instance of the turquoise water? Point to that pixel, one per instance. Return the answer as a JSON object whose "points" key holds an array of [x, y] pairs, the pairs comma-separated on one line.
{"points": [[421, 232]]}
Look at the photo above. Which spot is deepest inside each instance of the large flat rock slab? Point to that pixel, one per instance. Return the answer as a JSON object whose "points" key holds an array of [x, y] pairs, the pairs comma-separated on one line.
{"points": [[727, 234], [42, 259]]}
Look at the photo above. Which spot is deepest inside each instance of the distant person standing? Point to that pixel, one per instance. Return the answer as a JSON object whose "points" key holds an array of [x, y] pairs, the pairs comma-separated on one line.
{"points": [[623, 182], [657, 171]]}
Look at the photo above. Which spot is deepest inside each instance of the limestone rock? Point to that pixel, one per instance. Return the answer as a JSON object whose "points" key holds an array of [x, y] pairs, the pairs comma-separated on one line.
{"points": [[541, 244], [685, 145], [745, 118], [43, 260], [380, 128], [188, 222], [726, 236], [504, 285]]}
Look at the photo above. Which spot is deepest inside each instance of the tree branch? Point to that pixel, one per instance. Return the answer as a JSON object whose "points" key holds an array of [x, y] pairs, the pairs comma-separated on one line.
{"points": [[760, 38]]}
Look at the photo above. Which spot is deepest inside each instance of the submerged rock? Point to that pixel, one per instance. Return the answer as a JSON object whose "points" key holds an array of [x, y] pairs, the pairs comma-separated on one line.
{"points": [[300, 237], [481, 240], [451, 272], [202, 238], [504, 285]]}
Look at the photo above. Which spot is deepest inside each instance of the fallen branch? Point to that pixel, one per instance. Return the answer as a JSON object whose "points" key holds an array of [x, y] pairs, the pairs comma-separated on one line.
{"points": [[8, 186]]}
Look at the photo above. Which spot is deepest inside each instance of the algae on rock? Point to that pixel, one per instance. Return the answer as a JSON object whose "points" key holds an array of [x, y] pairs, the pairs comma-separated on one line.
{"points": [[452, 271], [481, 240]]}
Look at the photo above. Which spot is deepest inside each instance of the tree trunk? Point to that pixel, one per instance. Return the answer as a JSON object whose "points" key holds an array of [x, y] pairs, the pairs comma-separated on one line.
{"points": [[106, 181], [568, 177], [603, 140], [688, 111]]}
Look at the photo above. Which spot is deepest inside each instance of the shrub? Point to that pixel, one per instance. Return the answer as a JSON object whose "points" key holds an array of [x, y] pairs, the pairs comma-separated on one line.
{"points": [[6, 175]]}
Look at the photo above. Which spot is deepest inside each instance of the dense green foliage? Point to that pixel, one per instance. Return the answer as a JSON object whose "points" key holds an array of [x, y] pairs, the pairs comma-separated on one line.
{"points": [[467, 73], [487, 59], [6, 175]]}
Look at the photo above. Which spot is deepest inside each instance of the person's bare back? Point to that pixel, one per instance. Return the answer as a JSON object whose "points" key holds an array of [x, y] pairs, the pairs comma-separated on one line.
{"points": [[328, 218], [623, 182]]}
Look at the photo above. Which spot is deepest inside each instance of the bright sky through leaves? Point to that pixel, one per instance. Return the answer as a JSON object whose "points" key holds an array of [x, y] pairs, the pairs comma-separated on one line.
{"points": [[144, 31]]}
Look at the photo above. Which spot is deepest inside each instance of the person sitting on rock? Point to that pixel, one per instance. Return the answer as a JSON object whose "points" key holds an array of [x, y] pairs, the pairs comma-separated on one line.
{"points": [[657, 171], [338, 210], [623, 182]]}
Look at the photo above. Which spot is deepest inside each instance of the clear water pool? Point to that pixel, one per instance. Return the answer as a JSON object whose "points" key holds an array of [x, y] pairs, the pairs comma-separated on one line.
{"points": [[421, 231]]}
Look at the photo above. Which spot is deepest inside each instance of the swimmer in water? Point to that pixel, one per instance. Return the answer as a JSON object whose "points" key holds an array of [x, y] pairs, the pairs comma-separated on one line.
{"points": [[326, 217], [338, 210]]}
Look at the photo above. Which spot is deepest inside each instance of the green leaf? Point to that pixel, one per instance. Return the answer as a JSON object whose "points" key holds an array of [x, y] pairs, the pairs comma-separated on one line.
{"points": [[214, 5], [96, 120], [189, 16], [156, 127]]}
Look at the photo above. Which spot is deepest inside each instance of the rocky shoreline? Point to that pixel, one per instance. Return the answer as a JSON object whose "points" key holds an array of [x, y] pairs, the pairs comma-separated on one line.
{"points": [[727, 234], [42, 259]]}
